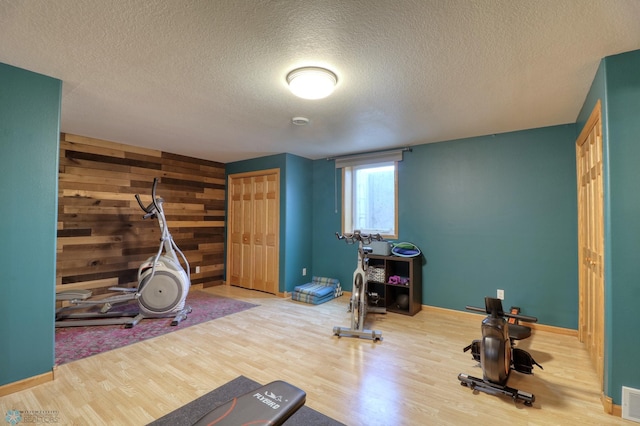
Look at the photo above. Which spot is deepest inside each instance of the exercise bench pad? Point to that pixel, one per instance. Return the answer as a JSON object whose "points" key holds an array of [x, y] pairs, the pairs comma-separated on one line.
{"points": [[271, 404]]}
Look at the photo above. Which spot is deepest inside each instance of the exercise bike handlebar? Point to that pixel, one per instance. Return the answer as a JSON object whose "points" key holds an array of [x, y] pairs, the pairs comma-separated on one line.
{"points": [[525, 318], [359, 236]]}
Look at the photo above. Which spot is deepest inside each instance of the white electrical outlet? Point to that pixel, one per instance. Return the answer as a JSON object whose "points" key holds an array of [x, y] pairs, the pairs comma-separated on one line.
{"points": [[197, 269], [500, 294], [304, 272]]}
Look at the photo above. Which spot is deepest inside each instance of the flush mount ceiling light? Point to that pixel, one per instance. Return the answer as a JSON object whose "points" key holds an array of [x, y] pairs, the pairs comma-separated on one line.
{"points": [[312, 82]]}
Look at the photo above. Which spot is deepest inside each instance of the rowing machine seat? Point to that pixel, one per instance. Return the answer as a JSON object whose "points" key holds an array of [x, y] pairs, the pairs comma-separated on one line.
{"points": [[518, 332]]}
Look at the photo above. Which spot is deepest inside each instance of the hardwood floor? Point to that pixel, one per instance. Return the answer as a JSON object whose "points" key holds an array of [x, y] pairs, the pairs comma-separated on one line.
{"points": [[410, 378]]}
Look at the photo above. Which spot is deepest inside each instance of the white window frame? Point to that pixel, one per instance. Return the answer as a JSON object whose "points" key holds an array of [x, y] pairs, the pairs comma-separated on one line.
{"points": [[348, 198]]}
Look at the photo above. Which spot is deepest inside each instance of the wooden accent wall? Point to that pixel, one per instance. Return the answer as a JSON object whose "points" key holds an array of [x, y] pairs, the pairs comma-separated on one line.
{"points": [[102, 238]]}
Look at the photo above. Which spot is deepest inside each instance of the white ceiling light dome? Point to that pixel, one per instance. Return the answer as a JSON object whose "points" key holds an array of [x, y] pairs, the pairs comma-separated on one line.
{"points": [[312, 82]]}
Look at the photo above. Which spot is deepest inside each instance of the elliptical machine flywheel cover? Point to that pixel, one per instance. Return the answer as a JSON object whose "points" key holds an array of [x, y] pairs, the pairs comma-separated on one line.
{"points": [[162, 294]]}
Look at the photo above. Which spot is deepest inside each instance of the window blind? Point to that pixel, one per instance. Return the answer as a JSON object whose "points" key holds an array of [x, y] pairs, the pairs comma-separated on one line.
{"points": [[369, 158]]}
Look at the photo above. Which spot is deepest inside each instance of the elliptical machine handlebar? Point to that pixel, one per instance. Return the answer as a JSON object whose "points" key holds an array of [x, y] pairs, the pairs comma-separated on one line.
{"points": [[153, 207]]}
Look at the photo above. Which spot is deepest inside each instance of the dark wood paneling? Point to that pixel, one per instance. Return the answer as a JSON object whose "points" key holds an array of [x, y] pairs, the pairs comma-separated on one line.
{"points": [[102, 238]]}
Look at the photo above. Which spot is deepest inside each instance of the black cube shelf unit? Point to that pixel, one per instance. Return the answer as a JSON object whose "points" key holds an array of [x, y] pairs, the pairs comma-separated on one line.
{"points": [[391, 295]]}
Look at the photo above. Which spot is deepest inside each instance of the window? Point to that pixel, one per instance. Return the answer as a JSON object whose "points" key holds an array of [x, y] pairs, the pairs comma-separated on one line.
{"points": [[370, 199]]}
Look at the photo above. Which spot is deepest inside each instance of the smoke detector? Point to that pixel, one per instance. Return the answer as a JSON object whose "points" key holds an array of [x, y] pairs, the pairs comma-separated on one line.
{"points": [[300, 121]]}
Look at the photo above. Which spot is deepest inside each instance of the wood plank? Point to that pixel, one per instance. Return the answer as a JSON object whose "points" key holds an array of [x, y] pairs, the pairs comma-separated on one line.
{"points": [[177, 159], [69, 241], [197, 224], [72, 147], [88, 164], [98, 195], [151, 173], [101, 143], [116, 181]]}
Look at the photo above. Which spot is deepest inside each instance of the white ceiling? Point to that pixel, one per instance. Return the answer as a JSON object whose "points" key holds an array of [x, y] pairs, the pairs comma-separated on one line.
{"points": [[206, 78]]}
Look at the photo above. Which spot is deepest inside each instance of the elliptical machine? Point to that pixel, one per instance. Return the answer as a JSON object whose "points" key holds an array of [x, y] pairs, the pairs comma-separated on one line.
{"points": [[163, 285], [362, 300], [497, 353]]}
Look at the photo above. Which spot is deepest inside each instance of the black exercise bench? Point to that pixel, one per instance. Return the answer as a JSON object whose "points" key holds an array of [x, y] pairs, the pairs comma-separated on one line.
{"points": [[271, 404]]}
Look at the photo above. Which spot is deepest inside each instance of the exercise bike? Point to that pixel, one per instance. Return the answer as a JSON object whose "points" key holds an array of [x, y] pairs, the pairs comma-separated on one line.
{"points": [[497, 353], [362, 301], [163, 285]]}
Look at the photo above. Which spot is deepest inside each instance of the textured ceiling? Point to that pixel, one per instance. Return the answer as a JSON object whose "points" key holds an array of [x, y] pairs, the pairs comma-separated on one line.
{"points": [[206, 78]]}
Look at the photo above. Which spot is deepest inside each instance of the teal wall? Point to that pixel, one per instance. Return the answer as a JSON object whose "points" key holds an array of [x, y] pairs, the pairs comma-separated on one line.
{"points": [[331, 257], [29, 146], [298, 221], [494, 212], [295, 213], [623, 222]]}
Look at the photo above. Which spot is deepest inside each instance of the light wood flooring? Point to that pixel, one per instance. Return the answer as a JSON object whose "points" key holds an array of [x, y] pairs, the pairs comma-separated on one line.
{"points": [[410, 378]]}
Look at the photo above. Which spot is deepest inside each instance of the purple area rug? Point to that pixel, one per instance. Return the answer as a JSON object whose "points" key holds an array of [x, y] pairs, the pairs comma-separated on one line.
{"points": [[74, 343]]}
